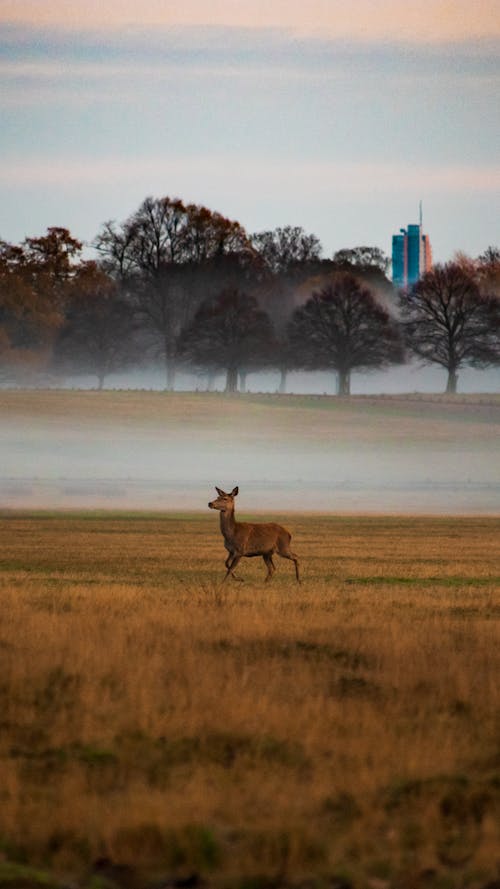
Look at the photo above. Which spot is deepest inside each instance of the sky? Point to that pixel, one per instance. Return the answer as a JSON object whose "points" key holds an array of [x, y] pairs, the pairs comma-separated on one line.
{"points": [[336, 116]]}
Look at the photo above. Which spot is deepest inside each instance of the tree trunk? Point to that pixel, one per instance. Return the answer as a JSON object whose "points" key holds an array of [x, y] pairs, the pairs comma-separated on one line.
{"points": [[170, 367], [243, 380], [232, 379], [451, 385], [344, 383], [100, 381], [282, 385]]}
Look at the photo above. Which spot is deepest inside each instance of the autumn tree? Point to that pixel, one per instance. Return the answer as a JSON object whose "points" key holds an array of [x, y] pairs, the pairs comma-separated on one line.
{"points": [[155, 253], [35, 281], [450, 320], [56, 254], [488, 272], [342, 327], [230, 333]]}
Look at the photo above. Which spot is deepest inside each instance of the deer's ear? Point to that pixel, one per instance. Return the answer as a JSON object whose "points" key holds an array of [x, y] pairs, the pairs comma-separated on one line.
{"points": [[220, 492], [234, 492]]}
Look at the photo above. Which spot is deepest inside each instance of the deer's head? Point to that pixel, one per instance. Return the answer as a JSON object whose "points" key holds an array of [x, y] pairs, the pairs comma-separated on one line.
{"points": [[224, 502]]}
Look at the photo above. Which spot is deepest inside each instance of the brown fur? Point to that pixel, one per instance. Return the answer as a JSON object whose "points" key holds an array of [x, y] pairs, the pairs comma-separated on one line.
{"points": [[250, 538]]}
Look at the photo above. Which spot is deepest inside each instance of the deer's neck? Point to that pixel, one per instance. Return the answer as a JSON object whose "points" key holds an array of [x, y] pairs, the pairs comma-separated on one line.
{"points": [[228, 524]]}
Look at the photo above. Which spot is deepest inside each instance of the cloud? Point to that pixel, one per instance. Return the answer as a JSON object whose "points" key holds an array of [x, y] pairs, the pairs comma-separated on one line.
{"points": [[431, 21], [342, 177], [235, 91], [34, 56]]}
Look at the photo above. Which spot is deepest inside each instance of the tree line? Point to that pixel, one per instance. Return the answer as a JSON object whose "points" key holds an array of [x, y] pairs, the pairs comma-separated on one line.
{"points": [[183, 286]]}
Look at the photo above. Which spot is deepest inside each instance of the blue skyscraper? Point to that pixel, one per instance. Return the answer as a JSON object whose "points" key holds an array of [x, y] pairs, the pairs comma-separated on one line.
{"points": [[415, 250], [411, 255], [400, 259]]}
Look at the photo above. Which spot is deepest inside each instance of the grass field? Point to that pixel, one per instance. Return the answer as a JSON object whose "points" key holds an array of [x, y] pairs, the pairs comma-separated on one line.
{"points": [[156, 725]]}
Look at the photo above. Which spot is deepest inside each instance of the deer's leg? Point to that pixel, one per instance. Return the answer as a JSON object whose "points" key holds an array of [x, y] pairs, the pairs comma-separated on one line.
{"points": [[268, 559], [293, 558], [235, 558], [229, 564]]}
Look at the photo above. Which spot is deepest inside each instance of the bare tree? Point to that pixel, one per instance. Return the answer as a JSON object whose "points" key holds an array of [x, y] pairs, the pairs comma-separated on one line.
{"points": [[361, 258], [490, 257], [284, 248], [448, 320], [154, 254], [230, 333], [343, 327]]}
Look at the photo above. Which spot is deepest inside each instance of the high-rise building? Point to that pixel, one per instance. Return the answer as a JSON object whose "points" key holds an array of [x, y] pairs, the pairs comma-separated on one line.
{"points": [[427, 253], [400, 258], [411, 255]]}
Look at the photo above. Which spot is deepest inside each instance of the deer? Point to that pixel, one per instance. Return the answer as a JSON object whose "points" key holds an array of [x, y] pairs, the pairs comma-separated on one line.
{"points": [[251, 538]]}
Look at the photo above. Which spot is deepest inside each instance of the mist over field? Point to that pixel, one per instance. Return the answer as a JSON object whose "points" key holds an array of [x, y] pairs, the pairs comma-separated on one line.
{"points": [[152, 450], [407, 378]]}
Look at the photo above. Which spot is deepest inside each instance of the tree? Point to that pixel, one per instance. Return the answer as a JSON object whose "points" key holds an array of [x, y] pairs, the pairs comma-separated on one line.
{"points": [[286, 257], [54, 254], [488, 271], [343, 327], [209, 235], [230, 333], [448, 320], [361, 258], [98, 334], [153, 254], [491, 256], [284, 248], [35, 282]]}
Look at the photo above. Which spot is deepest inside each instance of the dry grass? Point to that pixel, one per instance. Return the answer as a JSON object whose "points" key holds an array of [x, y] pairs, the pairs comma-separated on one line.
{"points": [[348, 727], [404, 420]]}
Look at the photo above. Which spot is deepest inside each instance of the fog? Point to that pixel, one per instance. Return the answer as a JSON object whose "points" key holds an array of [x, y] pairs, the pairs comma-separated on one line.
{"points": [[400, 380], [369, 455]]}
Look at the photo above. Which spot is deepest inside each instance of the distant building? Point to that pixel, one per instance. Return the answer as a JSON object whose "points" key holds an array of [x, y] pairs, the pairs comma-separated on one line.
{"points": [[400, 259], [411, 255]]}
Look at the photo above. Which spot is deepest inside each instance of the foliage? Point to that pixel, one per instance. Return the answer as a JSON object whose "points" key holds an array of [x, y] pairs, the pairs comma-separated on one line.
{"points": [[35, 285], [54, 253]]}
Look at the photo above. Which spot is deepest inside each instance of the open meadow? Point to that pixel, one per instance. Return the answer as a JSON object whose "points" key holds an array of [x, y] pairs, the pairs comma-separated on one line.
{"points": [[157, 726]]}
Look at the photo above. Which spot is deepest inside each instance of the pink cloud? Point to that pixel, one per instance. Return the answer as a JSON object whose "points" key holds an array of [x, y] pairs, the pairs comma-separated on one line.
{"points": [[348, 177], [414, 20]]}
